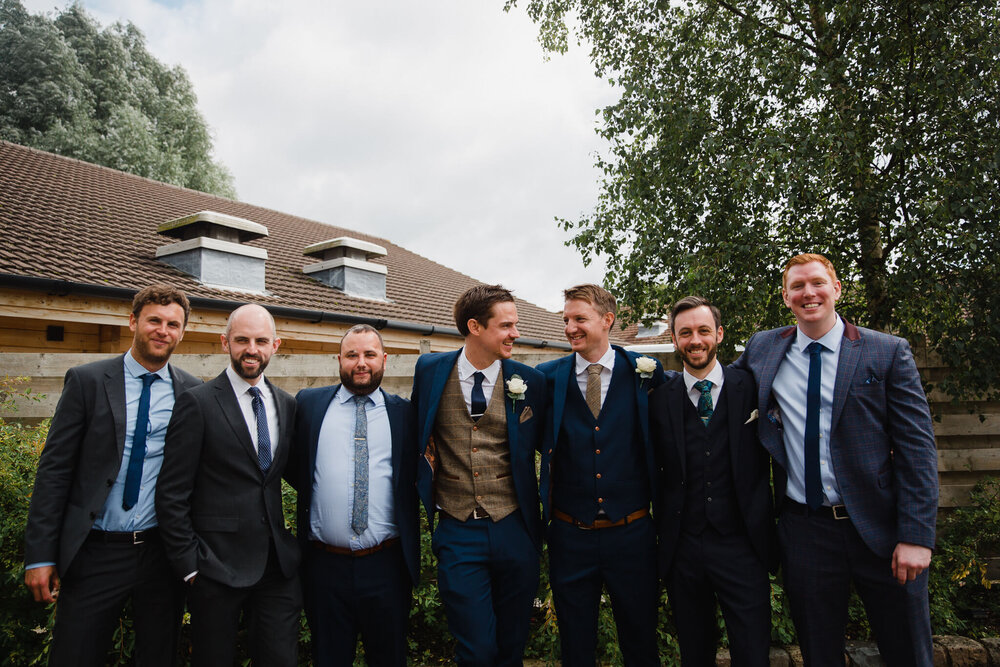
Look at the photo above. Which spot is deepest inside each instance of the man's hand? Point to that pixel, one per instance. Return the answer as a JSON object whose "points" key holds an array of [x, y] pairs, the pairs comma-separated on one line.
{"points": [[909, 560], [43, 582]]}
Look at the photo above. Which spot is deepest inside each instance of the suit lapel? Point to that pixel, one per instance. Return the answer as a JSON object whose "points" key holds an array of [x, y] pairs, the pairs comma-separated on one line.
{"points": [[230, 408], [777, 347], [396, 435], [445, 365], [641, 394], [114, 386], [675, 406], [563, 375], [285, 429], [508, 406], [847, 364], [732, 389]]}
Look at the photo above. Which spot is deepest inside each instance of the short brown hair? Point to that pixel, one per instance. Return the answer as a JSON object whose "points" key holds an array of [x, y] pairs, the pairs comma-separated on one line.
{"points": [[806, 258], [477, 304], [162, 295], [601, 299], [363, 328], [689, 303]]}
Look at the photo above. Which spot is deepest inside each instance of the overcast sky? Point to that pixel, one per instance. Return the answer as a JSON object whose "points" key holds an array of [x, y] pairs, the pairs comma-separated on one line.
{"points": [[438, 125]]}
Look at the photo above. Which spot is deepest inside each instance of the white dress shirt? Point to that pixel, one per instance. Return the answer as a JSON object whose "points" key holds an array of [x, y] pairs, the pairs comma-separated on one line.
{"points": [[245, 399], [466, 381], [607, 361], [791, 385], [715, 376], [332, 503]]}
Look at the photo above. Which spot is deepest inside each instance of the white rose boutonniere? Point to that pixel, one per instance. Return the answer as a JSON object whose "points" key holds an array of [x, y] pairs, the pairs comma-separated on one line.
{"points": [[645, 366], [516, 389]]}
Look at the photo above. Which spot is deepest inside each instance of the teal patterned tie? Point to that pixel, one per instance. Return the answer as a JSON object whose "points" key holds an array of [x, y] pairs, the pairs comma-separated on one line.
{"points": [[705, 408], [359, 518]]}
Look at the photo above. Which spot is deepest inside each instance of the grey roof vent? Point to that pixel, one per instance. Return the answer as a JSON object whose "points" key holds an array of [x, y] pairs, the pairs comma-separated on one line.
{"points": [[344, 266], [211, 249]]}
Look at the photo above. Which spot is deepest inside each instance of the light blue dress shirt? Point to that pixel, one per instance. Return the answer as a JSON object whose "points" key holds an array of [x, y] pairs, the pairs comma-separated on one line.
{"points": [[790, 387], [333, 480], [161, 404]]}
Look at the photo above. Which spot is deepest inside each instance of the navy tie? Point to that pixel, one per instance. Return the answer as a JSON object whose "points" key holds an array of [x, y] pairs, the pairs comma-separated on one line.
{"points": [[814, 490], [263, 433], [133, 478], [478, 397]]}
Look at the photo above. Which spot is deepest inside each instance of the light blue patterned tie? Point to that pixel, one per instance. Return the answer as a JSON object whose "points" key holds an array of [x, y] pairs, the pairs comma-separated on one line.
{"points": [[359, 518], [263, 432], [705, 408]]}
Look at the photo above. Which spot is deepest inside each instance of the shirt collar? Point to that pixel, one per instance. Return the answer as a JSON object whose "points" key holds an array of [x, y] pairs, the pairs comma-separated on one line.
{"points": [[241, 386], [715, 376], [830, 340], [607, 360], [345, 395], [466, 369], [137, 370]]}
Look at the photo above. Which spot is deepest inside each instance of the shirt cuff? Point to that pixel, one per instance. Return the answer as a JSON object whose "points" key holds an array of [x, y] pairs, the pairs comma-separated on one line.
{"points": [[37, 565]]}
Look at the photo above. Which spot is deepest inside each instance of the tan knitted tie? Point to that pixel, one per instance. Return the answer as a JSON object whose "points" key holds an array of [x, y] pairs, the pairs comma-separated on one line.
{"points": [[594, 389]]}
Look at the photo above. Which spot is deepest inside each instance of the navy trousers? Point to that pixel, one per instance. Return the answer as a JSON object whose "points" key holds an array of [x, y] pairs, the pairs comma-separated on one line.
{"points": [[820, 558], [584, 562], [488, 578], [347, 596]]}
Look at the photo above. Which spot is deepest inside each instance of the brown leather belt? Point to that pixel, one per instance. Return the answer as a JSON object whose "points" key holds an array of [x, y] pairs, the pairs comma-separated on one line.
{"points": [[601, 523], [344, 551]]}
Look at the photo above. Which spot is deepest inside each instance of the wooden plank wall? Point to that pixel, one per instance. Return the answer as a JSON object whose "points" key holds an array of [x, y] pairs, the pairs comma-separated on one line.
{"points": [[968, 434]]}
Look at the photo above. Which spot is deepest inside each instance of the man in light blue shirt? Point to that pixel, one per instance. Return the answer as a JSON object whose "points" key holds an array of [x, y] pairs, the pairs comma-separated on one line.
{"points": [[354, 464], [92, 540]]}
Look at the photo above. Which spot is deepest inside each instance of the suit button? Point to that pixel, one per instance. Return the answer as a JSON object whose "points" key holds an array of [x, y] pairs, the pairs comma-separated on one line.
{"points": [[598, 475], [600, 500], [475, 449], [710, 499], [597, 451], [475, 474], [263, 520], [475, 428], [678, 512], [597, 428], [93, 515], [110, 482], [550, 450]]}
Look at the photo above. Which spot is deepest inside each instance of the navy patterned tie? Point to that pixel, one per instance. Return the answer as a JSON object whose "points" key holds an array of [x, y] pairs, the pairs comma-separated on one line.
{"points": [[263, 433], [814, 490], [133, 478], [478, 397], [359, 517], [705, 408]]}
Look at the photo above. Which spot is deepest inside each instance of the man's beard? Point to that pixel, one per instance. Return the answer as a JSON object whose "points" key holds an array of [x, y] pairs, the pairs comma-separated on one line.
{"points": [[709, 358], [248, 374], [374, 380]]}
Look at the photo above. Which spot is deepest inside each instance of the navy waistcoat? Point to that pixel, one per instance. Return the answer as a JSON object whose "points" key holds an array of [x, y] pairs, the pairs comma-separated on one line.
{"points": [[709, 496]]}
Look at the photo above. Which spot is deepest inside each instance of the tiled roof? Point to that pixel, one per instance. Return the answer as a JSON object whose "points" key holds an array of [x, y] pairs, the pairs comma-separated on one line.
{"points": [[630, 336], [70, 220]]}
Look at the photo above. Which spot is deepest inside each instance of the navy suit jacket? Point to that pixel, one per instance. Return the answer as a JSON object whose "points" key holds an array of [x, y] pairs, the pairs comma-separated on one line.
{"points": [[82, 457], [311, 407], [748, 464], [559, 375], [881, 438], [524, 429]]}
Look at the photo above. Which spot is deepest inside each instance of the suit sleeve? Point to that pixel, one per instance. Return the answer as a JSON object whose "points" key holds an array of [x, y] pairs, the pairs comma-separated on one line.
{"points": [[56, 468], [914, 454], [181, 457]]}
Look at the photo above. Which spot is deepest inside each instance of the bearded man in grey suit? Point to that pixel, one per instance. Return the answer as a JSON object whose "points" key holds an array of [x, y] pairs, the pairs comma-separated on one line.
{"points": [[92, 539]]}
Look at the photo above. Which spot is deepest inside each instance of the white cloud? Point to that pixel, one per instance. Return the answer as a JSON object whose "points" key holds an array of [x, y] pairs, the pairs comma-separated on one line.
{"points": [[438, 125]]}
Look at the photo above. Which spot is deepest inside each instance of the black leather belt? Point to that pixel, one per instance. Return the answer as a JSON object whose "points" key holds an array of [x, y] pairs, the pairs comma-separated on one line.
{"points": [[835, 512], [128, 537]]}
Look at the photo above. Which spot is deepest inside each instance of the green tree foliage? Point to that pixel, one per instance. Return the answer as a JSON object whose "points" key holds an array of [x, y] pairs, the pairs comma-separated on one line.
{"points": [[70, 87], [747, 132]]}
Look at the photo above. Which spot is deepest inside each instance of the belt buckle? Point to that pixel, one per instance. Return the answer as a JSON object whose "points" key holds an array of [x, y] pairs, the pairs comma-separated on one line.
{"points": [[137, 537], [476, 515], [839, 512]]}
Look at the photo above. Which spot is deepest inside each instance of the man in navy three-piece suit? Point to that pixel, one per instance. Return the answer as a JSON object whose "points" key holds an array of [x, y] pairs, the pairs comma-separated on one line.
{"points": [[845, 418], [360, 549], [713, 511], [479, 420], [597, 480]]}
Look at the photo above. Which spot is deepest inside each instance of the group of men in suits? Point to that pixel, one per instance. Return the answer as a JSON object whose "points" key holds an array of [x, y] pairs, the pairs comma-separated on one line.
{"points": [[154, 487]]}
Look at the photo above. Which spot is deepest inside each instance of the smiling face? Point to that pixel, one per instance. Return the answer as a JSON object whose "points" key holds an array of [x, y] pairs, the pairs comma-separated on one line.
{"points": [[586, 329], [156, 332], [811, 292], [495, 339], [697, 338], [362, 362], [250, 341]]}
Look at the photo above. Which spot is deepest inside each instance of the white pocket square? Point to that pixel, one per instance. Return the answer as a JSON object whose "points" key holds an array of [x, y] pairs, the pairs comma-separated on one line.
{"points": [[753, 417]]}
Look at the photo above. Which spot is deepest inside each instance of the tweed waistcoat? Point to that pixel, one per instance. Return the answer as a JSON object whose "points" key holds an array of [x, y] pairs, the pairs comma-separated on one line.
{"points": [[473, 456], [710, 498]]}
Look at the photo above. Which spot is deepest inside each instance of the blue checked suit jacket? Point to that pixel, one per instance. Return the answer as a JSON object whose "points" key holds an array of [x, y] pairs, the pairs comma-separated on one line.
{"points": [[881, 439]]}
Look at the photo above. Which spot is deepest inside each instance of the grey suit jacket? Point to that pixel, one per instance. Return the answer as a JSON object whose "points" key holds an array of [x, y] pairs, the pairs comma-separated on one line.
{"points": [[881, 437], [81, 459], [218, 512]]}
